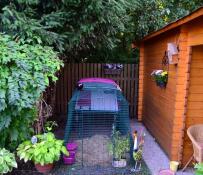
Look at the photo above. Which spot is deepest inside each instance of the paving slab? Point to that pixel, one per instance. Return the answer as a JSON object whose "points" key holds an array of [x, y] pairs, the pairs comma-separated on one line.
{"points": [[154, 156]]}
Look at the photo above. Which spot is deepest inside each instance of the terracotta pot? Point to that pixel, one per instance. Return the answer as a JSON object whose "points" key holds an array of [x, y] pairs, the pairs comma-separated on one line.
{"points": [[44, 168]]}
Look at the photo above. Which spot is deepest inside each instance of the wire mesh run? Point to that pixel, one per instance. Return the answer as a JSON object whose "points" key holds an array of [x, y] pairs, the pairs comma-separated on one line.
{"points": [[93, 113]]}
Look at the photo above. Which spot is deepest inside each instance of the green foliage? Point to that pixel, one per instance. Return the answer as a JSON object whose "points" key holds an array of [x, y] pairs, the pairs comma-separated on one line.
{"points": [[199, 169], [44, 150], [25, 72], [99, 30], [49, 125], [151, 15], [76, 27], [119, 146], [7, 161]]}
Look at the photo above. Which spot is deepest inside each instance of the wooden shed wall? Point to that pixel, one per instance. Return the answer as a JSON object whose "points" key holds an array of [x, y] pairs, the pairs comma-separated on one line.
{"points": [[159, 104], [194, 114], [194, 108], [168, 113]]}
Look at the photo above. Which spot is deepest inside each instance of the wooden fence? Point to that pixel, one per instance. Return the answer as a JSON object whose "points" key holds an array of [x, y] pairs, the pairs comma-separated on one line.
{"points": [[72, 72]]}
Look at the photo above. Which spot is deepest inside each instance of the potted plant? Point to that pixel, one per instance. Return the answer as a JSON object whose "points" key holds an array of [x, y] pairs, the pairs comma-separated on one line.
{"points": [[199, 169], [43, 150], [160, 77], [119, 146], [7, 161], [113, 69]]}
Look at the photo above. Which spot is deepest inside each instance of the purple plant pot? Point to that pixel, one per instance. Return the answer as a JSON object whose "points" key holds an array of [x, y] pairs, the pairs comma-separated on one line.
{"points": [[72, 154], [68, 160], [71, 146], [166, 172]]}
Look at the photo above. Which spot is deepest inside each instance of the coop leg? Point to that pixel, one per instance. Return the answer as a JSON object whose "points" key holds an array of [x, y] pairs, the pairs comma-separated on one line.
{"points": [[82, 137]]}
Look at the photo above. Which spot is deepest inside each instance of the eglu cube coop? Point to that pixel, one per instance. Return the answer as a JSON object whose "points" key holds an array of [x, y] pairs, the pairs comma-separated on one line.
{"points": [[93, 111]]}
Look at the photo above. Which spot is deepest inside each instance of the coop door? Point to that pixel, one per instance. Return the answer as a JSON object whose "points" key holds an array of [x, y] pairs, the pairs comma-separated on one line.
{"points": [[92, 133]]}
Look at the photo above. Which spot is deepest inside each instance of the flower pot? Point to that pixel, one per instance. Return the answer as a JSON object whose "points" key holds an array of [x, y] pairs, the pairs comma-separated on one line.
{"points": [[68, 160], [161, 84], [119, 163], [166, 172], [174, 166], [112, 71], [72, 154], [71, 146], [44, 168]]}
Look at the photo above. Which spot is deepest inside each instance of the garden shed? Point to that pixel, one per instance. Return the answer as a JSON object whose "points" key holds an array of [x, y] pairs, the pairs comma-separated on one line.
{"points": [[168, 112]]}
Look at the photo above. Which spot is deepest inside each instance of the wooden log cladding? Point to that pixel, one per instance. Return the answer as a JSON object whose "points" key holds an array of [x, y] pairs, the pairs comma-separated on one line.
{"points": [[169, 112], [195, 99], [159, 104], [73, 72]]}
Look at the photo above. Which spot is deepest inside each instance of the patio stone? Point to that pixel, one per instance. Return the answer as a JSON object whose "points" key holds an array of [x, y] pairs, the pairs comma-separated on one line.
{"points": [[153, 155]]}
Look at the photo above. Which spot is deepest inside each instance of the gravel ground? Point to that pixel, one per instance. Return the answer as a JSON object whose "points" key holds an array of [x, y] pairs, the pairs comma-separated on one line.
{"points": [[153, 155], [90, 168], [76, 169]]}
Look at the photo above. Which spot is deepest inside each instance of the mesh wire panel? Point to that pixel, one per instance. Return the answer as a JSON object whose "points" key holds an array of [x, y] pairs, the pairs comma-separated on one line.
{"points": [[92, 113]]}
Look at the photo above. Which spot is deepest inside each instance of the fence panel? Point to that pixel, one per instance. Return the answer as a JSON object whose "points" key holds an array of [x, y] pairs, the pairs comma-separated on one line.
{"points": [[73, 72]]}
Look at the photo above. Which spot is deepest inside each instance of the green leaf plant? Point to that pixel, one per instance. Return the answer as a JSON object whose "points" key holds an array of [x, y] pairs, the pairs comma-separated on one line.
{"points": [[7, 161], [42, 149], [119, 146]]}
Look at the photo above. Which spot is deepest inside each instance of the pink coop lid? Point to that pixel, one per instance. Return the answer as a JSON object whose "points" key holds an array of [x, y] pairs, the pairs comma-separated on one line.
{"points": [[98, 80]]}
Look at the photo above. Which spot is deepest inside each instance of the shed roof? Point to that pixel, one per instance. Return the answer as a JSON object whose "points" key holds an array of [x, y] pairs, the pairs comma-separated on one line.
{"points": [[197, 13]]}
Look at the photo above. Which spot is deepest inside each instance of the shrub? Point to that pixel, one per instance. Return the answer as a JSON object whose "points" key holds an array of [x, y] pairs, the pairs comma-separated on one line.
{"points": [[25, 72], [7, 161], [42, 149]]}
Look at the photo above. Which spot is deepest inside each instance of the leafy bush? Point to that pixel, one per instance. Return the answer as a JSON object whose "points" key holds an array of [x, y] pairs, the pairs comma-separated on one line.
{"points": [[7, 161], [74, 27], [42, 149], [25, 72], [100, 30]]}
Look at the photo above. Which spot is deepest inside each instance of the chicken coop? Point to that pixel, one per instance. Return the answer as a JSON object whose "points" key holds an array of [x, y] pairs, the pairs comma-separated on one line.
{"points": [[95, 109]]}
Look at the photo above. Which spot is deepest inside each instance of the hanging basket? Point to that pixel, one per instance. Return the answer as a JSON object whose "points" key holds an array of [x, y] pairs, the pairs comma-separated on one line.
{"points": [[160, 77], [112, 71], [161, 84]]}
